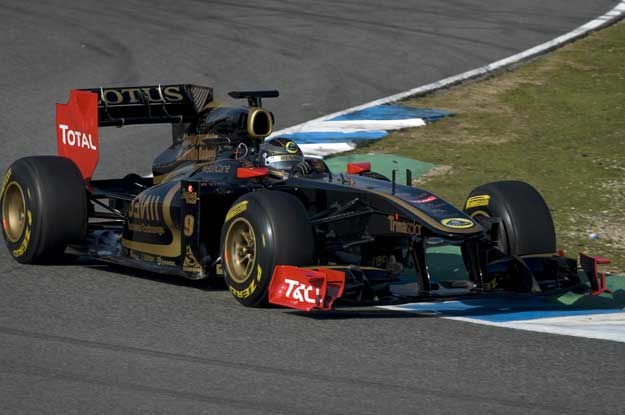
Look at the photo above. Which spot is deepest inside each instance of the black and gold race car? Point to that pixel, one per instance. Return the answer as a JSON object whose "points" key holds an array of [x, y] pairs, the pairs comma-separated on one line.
{"points": [[279, 227]]}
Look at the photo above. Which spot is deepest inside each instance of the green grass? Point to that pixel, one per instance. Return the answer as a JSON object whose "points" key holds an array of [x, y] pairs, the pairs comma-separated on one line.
{"points": [[557, 122]]}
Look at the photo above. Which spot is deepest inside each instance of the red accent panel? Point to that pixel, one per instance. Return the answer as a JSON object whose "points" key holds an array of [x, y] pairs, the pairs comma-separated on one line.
{"points": [[590, 266], [305, 289], [357, 168], [250, 172], [77, 130]]}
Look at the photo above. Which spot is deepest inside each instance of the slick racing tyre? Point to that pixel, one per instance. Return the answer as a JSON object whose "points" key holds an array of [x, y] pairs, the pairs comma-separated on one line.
{"points": [[263, 229], [526, 226], [44, 207]]}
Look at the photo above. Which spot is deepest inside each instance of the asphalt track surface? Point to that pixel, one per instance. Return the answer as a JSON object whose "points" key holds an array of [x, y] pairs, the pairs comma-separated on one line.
{"points": [[98, 339]]}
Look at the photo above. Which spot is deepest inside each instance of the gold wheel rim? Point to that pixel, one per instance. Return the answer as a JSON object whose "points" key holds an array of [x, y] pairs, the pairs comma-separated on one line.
{"points": [[13, 212], [240, 250]]}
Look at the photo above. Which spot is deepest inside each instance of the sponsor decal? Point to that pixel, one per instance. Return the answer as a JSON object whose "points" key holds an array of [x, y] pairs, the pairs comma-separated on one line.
{"points": [[5, 182], [162, 261], [190, 263], [291, 147], [303, 293], [398, 226], [148, 258], [457, 223], [77, 130], [217, 168], [24, 245], [236, 210], [75, 138], [174, 247], [477, 201], [428, 199], [250, 288], [190, 198], [189, 224], [145, 207], [305, 289], [115, 96], [145, 228], [244, 293]]}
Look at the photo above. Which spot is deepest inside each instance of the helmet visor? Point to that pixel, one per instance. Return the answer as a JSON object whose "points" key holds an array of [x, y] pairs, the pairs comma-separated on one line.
{"points": [[283, 161]]}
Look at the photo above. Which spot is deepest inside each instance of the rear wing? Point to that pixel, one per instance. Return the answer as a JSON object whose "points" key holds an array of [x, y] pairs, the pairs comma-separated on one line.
{"points": [[77, 121], [155, 104]]}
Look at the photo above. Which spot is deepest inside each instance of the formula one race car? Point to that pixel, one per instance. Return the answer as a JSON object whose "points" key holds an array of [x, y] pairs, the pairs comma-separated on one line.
{"points": [[279, 227]]}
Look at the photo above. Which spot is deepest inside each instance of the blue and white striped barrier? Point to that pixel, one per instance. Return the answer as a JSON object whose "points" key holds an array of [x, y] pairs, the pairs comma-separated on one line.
{"points": [[345, 131]]}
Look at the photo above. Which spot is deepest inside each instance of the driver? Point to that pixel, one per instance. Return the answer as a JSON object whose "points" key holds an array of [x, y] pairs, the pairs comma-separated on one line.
{"points": [[283, 158]]}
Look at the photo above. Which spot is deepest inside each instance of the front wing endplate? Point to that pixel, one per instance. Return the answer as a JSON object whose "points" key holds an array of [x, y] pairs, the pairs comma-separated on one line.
{"points": [[305, 289]]}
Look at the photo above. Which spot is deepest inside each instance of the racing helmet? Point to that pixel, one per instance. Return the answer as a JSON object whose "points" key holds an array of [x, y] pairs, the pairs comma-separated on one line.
{"points": [[280, 154]]}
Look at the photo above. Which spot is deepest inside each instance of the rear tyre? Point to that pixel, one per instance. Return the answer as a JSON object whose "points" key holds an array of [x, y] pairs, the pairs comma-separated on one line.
{"points": [[263, 229], [44, 207], [526, 225]]}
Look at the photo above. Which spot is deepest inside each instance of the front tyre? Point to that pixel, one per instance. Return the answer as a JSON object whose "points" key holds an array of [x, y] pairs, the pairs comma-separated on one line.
{"points": [[263, 229], [526, 226], [44, 207]]}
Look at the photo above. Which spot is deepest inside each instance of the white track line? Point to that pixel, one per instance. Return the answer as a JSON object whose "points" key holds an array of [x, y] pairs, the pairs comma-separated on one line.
{"points": [[351, 126], [617, 13], [608, 326], [594, 326], [325, 149]]}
